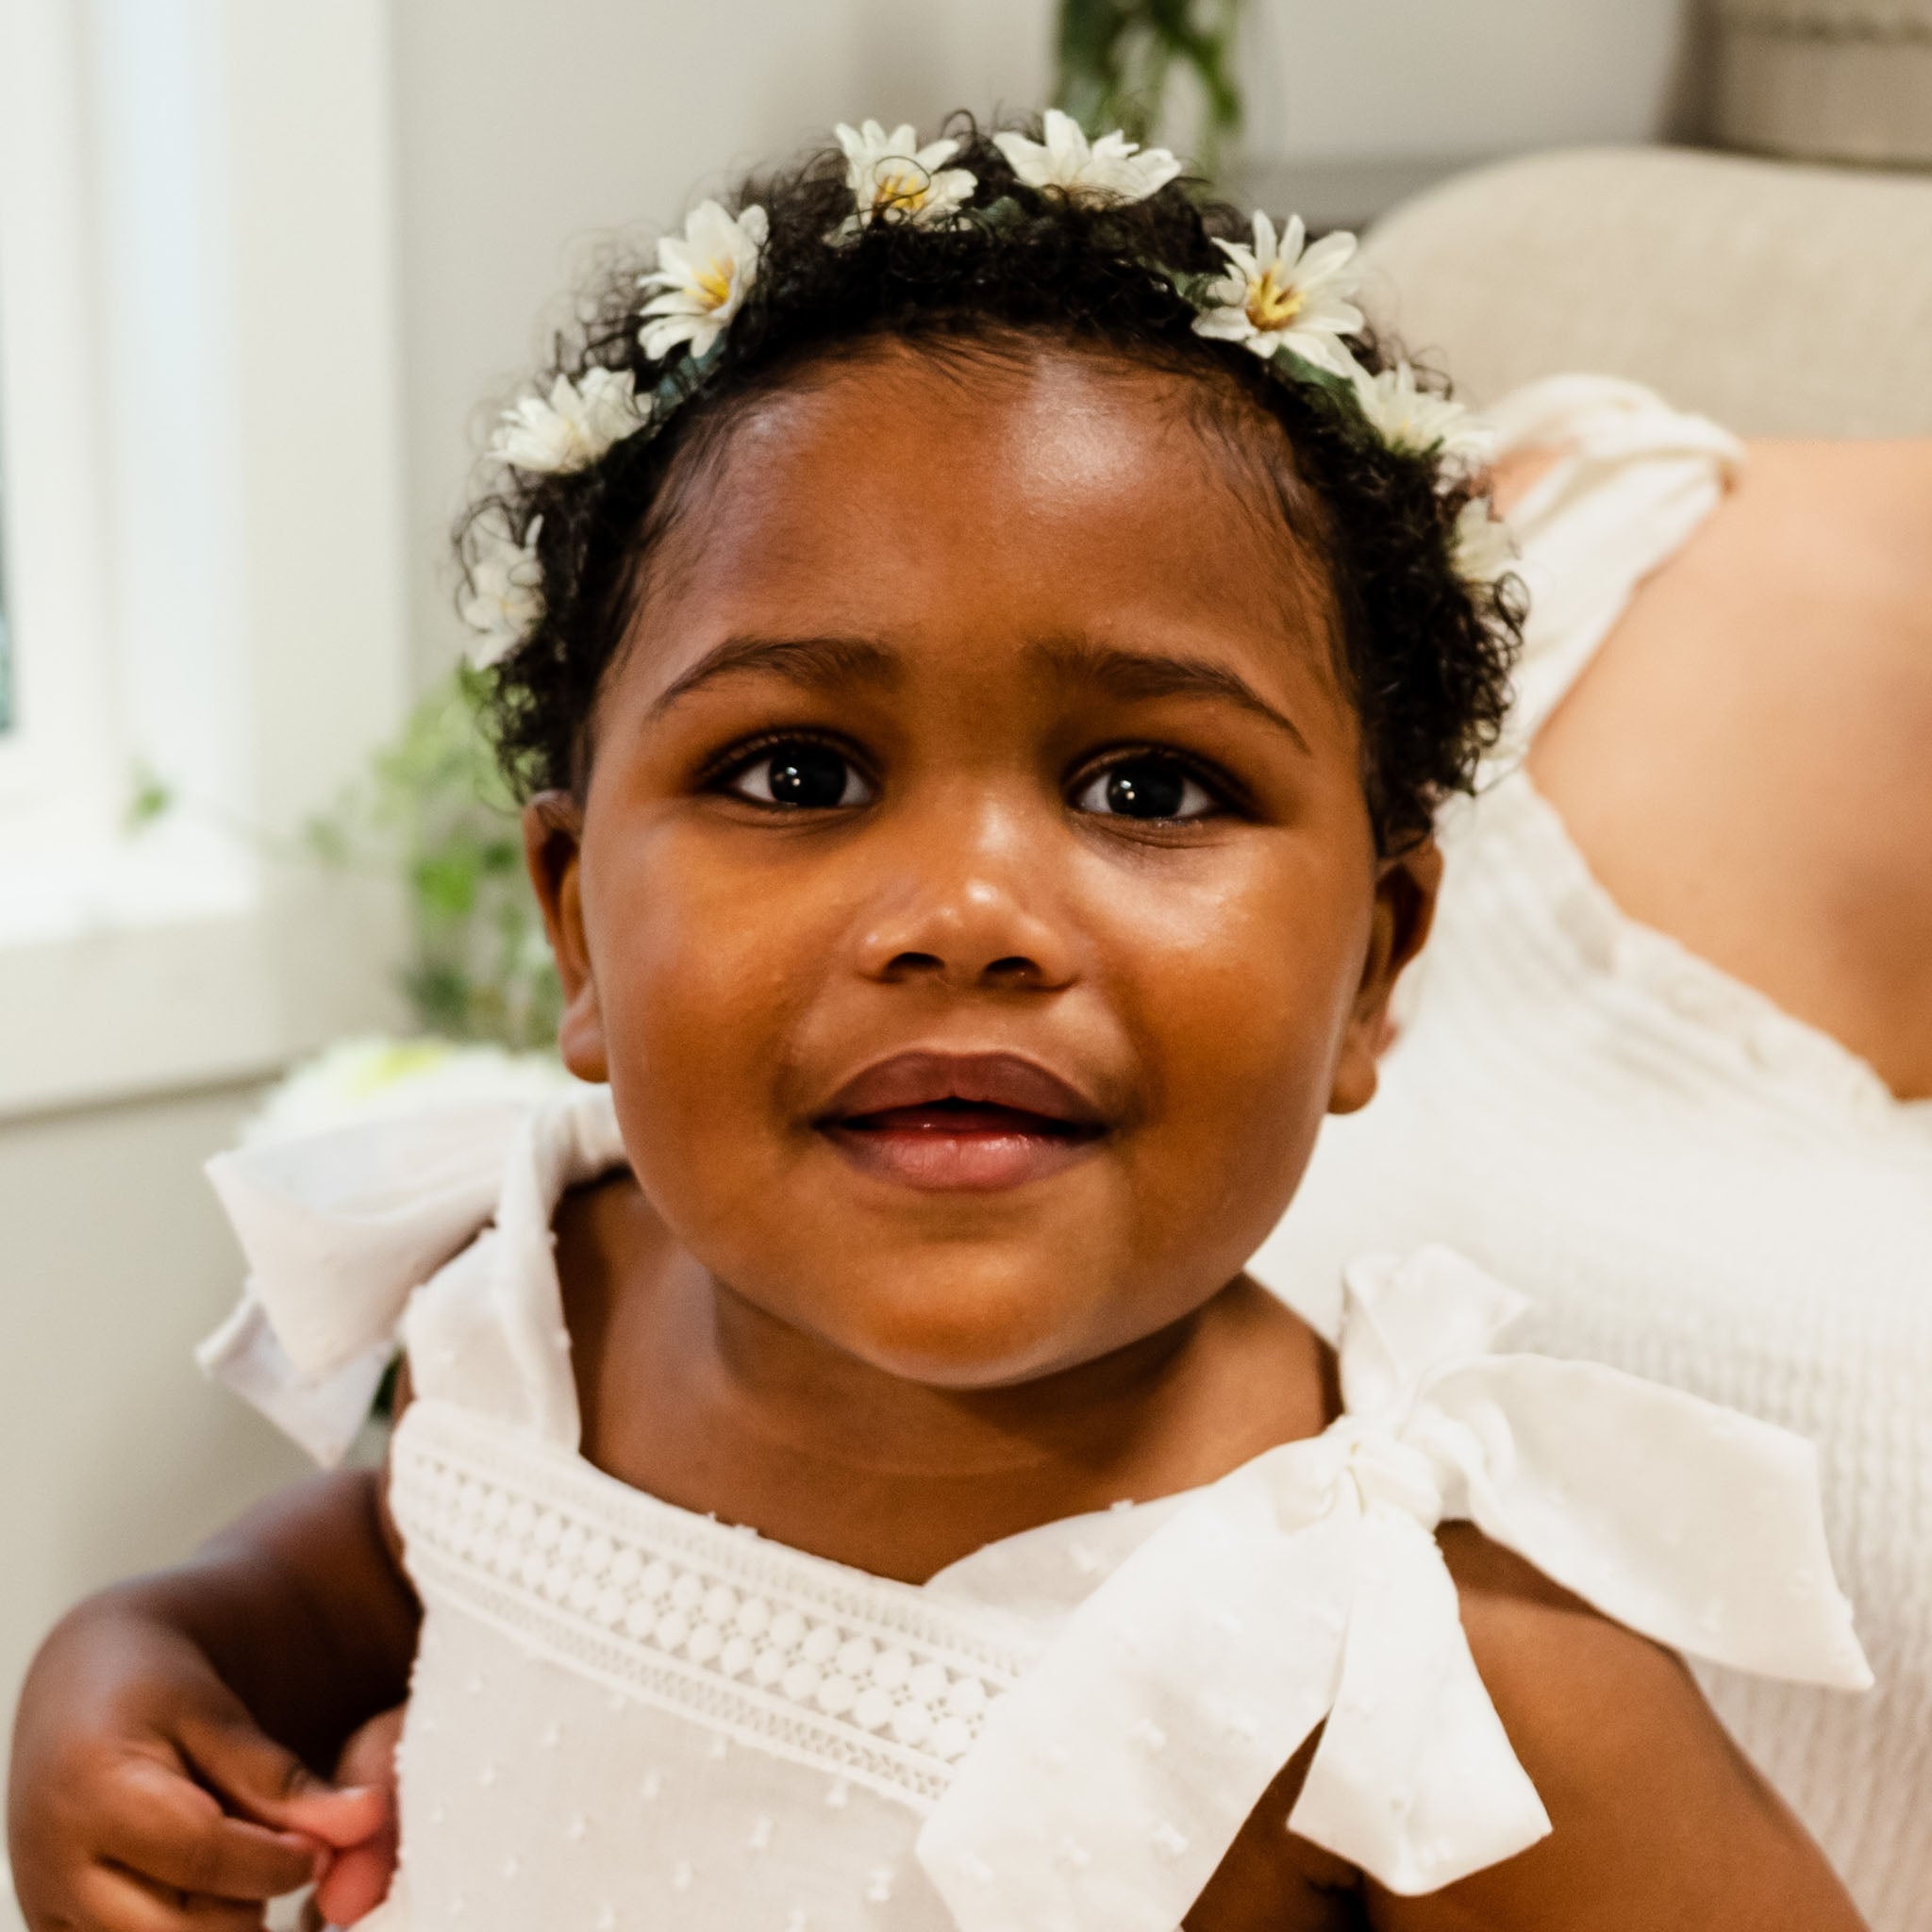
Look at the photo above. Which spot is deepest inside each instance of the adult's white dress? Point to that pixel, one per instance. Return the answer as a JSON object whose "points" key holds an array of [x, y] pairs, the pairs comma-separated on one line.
{"points": [[1705, 1190]]}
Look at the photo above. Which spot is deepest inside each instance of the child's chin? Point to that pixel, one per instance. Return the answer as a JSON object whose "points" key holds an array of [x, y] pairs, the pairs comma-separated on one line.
{"points": [[959, 1340]]}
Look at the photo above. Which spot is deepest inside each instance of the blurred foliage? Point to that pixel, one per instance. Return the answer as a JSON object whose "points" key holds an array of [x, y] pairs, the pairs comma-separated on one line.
{"points": [[434, 811], [1117, 58], [149, 797]]}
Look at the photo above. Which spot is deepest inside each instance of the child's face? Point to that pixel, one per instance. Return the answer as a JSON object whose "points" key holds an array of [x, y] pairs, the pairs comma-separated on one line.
{"points": [[869, 808]]}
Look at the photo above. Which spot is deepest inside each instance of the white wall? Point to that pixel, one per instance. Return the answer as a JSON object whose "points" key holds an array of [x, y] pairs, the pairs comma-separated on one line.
{"points": [[532, 129], [114, 1259], [1454, 77], [529, 129]]}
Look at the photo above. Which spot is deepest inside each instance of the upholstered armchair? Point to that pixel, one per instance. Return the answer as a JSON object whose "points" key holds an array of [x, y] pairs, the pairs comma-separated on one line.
{"points": [[1783, 299]]}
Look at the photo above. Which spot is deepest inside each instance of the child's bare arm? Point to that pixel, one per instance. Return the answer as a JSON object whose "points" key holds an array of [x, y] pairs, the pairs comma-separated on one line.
{"points": [[231, 1675], [1660, 1821]]}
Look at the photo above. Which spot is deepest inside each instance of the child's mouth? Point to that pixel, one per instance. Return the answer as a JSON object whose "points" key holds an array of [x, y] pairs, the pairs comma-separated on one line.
{"points": [[975, 1123]]}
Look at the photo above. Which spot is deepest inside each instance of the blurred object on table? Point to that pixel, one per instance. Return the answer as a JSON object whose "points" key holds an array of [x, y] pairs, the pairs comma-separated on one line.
{"points": [[1826, 80], [376, 1077]]}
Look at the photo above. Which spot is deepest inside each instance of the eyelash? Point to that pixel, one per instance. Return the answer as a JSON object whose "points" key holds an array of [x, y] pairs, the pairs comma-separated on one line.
{"points": [[1225, 794]]}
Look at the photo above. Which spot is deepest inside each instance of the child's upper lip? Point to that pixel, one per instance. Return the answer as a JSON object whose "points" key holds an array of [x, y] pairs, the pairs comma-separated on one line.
{"points": [[924, 1077]]}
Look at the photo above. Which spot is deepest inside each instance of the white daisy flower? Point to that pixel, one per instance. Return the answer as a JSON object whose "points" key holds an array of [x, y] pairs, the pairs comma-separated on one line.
{"points": [[705, 277], [571, 429], [1408, 417], [893, 180], [1481, 548], [1110, 169], [505, 595], [1283, 295]]}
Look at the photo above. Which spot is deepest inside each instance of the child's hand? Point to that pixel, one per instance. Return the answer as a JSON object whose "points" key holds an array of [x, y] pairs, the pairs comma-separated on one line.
{"points": [[144, 1798], [356, 1878]]}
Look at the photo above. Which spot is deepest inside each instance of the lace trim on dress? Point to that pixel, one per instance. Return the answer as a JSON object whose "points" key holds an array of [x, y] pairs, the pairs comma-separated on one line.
{"points": [[865, 1679]]}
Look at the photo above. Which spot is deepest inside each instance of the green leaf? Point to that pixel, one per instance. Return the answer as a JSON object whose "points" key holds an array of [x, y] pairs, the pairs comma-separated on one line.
{"points": [[433, 810], [1115, 59], [150, 797], [445, 883]]}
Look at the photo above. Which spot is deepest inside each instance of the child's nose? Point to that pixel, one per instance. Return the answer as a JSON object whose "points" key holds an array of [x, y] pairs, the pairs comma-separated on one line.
{"points": [[979, 917]]}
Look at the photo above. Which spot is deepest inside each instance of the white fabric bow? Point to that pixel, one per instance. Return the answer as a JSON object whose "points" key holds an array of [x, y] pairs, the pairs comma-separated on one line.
{"points": [[339, 1228], [1309, 1585]]}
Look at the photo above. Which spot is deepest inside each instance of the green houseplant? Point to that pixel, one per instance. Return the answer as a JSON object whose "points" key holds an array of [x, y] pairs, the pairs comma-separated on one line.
{"points": [[1118, 58], [433, 807]]}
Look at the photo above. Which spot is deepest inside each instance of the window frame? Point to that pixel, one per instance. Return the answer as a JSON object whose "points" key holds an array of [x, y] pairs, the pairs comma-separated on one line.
{"points": [[206, 557], [48, 428]]}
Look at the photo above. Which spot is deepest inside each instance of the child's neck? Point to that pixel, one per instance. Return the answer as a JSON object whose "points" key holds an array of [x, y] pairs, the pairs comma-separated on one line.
{"points": [[693, 1395]]}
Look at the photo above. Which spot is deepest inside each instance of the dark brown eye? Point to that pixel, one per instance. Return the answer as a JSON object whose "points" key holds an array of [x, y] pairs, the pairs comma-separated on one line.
{"points": [[801, 776], [1146, 787]]}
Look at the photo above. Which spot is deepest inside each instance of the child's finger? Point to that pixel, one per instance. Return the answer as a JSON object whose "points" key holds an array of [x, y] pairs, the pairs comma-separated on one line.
{"points": [[370, 1755], [164, 1827], [110, 1900], [358, 1880]]}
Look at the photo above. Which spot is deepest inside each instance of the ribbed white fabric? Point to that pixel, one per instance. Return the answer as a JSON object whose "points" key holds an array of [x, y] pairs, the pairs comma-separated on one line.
{"points": [[1704, 1191]]}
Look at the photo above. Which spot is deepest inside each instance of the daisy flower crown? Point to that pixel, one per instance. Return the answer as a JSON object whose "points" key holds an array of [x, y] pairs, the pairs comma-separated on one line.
{"points": [[1286, 299]]}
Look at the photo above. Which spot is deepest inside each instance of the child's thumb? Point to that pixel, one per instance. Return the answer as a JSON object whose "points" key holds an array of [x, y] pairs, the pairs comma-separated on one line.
{"points": [[260, 1779]]}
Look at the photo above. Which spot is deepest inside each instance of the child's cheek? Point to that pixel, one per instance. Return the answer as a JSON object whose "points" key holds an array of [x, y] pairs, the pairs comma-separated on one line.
{"points": [[704, 971], [1242, 999]]}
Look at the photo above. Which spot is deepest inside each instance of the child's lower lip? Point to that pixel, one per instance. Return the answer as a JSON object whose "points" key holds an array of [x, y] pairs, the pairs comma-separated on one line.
{"points": [[976, 1149]]}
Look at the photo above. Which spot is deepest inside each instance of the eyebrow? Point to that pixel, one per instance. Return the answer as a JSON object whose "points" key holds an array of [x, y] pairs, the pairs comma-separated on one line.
{"points": [[1132, 675], [814, 662]]}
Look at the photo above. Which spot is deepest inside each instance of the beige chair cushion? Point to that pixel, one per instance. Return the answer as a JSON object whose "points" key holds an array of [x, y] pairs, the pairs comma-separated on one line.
{"points": [[1782, 300]]}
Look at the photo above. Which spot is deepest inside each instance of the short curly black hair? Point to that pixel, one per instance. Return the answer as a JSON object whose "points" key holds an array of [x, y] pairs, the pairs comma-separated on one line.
{"points": [[1424, 654]]}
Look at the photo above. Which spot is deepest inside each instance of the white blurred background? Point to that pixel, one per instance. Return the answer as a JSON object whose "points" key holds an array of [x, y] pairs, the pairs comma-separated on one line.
{"points": [[260, 264]]}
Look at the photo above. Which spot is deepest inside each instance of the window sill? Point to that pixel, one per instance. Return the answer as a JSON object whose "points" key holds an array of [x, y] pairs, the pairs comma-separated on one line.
{"points": [[63, 884], [153, 975]]}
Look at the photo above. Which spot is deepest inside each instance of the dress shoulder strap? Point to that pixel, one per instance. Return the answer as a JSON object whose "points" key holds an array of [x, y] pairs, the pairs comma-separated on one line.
{"points": [[429, 1232], [1304, 1596], [1631, 480]]}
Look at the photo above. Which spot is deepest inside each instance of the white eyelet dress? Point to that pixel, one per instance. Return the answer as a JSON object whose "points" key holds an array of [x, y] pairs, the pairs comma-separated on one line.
{"points": [[626, 1715], [1704, 1191]]}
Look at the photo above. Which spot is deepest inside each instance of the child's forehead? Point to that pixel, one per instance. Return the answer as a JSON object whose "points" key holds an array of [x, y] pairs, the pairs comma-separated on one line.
{"points": [[1083, 486]]}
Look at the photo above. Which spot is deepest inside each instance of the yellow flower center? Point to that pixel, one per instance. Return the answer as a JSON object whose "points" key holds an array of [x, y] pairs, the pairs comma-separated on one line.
{"points": [[714, 283], [1273, 303], [905, 187]]}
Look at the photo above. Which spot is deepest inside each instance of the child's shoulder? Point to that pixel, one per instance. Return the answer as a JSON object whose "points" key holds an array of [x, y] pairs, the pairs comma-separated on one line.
{"points": [[1627, 1758]]}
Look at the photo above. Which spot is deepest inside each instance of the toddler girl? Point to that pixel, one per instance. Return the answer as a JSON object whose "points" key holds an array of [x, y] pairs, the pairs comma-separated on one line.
{"points": [[984, 637]]}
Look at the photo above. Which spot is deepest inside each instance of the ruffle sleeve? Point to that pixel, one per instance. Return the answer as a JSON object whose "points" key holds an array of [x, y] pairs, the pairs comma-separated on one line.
{"points": [[1628, 478]]}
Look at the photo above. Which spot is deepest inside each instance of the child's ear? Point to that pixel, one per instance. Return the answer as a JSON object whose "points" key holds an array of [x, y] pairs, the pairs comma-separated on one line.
{"points": [[1405, 890], [553, 849]]}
